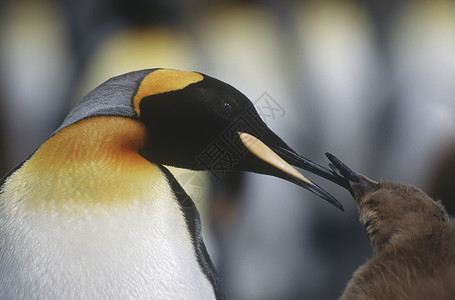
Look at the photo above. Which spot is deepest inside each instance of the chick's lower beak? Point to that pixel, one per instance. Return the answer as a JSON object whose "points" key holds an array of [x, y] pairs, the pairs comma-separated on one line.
{"points": [[357, 185], [282, 157]]}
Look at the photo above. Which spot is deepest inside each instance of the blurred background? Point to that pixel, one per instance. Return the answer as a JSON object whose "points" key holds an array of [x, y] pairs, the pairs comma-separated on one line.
{"points": [[372, 82]]}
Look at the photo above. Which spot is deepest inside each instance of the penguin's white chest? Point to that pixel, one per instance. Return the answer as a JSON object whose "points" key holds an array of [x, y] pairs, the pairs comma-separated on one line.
{"points": [[138, 251]]}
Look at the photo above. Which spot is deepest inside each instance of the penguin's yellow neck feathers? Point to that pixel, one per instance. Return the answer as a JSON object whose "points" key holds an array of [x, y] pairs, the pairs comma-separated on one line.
{"points": [[94, 161]]}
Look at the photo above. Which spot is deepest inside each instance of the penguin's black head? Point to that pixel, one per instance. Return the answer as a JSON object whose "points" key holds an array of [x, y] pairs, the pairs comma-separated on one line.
{"points": [[197, 122], [202, 119]]}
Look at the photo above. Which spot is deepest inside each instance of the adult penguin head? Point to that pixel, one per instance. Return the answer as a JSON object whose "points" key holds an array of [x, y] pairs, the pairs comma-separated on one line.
{"points": [[197, 122]]}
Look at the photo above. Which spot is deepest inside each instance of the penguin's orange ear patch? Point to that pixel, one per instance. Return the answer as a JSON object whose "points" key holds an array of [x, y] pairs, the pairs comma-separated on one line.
{"points": [[162, 81]]}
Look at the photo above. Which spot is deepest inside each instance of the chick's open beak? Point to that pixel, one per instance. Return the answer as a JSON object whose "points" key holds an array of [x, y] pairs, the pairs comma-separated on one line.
{"points": [[357, 185], [282, 158]]}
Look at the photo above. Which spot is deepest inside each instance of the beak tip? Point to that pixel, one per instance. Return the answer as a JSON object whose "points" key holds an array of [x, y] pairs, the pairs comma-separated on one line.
{"points": [[314, 188], [342, 168], [341, 207], [336, 203]]}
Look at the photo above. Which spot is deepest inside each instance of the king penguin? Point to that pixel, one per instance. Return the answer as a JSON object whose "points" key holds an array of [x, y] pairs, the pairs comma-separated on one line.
{"points": [[94, 213], [413, 240]]}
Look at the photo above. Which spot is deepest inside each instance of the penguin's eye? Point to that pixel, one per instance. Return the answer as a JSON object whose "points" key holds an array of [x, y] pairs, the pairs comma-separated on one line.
{"points": [[228, 107]]}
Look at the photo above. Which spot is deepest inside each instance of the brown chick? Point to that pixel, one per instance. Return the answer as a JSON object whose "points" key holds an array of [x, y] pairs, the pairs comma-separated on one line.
{"points": [[413, 241]]}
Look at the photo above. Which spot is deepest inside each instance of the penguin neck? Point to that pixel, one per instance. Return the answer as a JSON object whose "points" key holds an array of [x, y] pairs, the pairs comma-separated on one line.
{"points": [[94, 161]]}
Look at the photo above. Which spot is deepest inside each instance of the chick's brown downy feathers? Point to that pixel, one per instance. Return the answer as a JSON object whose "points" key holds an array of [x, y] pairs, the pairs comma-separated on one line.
{"points": [[413, 240]]}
